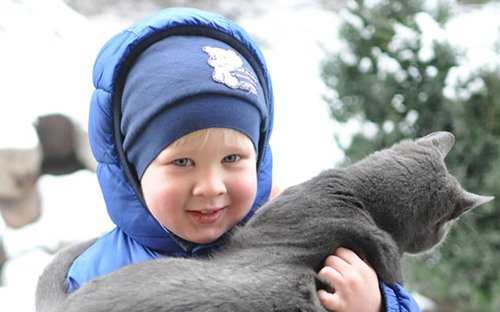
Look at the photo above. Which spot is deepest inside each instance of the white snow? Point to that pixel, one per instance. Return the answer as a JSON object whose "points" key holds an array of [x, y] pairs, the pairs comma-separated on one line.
{"points": [[352, 19], [404, 36], [388, 65], [431, 32], [476, 32], [44, 63], [302, 140]]}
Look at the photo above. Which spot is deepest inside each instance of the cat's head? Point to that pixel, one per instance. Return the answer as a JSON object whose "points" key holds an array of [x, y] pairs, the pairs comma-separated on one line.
{"points": [[410, 193]]}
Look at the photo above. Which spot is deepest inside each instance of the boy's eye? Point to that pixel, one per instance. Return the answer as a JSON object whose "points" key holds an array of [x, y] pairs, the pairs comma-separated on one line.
{"points": [[231, 158], [183, 162]]}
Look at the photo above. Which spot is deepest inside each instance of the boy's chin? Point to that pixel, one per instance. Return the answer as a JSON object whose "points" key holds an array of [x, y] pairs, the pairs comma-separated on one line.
{"points": [[205, 237]]}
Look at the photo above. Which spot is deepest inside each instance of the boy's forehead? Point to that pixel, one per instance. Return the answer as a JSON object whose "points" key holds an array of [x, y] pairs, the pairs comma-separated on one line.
{"points": [[172, 150], [215, 137]]}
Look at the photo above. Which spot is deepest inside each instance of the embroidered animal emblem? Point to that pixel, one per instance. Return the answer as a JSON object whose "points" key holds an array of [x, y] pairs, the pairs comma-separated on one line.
{"points": [[229, 70]]}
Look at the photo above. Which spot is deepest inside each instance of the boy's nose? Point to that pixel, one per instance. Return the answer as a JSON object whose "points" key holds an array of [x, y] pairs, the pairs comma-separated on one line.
{"points": [[209, 185]]}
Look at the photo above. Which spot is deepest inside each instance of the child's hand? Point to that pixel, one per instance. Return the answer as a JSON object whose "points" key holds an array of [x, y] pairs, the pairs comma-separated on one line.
{"points": [[355, 284]]}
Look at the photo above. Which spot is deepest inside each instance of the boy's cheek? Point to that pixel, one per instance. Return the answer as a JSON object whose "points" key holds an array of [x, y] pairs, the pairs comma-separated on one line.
{"points": [[245, 190], [161, 204]]}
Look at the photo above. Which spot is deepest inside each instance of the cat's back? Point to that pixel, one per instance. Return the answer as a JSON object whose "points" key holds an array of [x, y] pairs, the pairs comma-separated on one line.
{"points": [[51, 287]]}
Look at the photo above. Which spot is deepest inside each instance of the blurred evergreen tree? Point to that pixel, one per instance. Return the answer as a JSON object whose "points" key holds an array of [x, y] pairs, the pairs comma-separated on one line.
{"points": [[391, 76]]}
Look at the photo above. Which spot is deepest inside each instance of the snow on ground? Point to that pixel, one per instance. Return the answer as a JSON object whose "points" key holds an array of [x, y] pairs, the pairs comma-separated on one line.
{"points": [[73, 210], [44, 65], [46, 59]]}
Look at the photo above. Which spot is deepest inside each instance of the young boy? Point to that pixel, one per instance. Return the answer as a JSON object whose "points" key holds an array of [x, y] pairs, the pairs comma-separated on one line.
{"points": [[180, 124]]}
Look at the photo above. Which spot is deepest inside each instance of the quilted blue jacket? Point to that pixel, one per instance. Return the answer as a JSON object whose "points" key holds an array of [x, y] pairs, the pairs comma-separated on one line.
{"points": [[138, 236]]}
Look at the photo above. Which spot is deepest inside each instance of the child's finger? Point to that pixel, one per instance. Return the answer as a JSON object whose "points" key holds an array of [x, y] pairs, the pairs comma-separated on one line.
{"points": [[348, 255], [332, 276], [352, 276], [331, 302], [338, 264]]}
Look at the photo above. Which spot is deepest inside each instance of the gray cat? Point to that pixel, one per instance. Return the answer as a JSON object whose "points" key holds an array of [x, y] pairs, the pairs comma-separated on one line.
{"points": [[398, 200]]}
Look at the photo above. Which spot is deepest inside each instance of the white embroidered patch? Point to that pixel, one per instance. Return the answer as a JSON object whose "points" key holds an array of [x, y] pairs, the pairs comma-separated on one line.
{"points": [[229, 70]]}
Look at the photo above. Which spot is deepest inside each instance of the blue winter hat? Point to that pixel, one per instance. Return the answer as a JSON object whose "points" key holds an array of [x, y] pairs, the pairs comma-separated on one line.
{"points": [[182, 84]]}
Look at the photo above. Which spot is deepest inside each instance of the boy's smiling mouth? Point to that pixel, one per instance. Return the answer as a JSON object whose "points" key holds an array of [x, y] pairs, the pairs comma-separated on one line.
{"points": [[206, 216]]}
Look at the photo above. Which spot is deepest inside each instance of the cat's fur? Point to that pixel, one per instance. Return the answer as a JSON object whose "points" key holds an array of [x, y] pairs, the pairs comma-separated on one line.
{"points": [[398, 200]]}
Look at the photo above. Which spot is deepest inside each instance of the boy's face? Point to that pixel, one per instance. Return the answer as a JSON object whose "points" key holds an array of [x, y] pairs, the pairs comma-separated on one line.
{"points": [[203, 187]]}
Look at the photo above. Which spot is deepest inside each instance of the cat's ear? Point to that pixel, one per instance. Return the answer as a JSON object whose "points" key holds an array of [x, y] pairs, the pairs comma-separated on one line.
{"points": [[443, 140], [469, 201]]}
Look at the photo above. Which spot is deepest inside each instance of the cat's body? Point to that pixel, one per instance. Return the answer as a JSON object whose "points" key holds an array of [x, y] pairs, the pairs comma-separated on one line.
{"points": [[395, 201]]}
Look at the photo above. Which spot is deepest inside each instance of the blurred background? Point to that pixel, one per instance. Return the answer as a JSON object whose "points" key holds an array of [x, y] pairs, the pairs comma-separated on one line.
{"points": [[350, 77]]}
